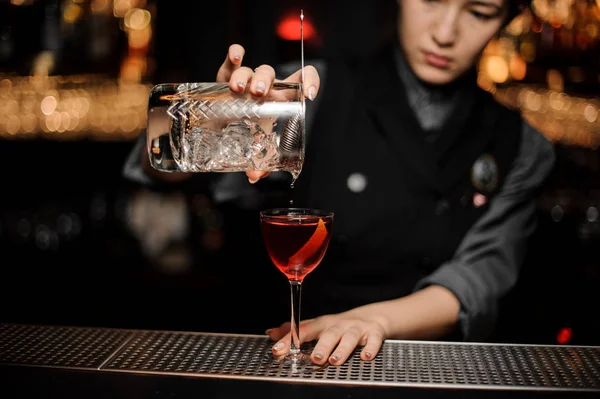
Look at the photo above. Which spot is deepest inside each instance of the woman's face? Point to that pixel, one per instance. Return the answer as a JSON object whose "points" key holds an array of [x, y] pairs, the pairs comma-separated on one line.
{"points": [[442, 39]]}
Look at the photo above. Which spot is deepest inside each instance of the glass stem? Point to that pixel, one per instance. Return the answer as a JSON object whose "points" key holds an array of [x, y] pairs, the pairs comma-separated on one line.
{"points": [[296, 291]]}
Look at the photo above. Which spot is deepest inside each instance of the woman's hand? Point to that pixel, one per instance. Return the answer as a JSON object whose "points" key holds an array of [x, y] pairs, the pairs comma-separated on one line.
{"points": [[338, 335], [259, 82], [427, 314]]}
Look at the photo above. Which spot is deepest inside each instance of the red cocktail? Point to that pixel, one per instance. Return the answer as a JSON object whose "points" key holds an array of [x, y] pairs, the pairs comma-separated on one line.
{"points": [[296, 240]]}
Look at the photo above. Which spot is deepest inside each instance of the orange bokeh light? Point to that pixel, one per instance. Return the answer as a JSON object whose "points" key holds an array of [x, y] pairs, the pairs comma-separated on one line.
{"points": [[289, 28]]}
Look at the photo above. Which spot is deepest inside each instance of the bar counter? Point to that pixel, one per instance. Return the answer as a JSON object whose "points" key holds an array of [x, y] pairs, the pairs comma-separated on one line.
{"points": [[89, 362]]}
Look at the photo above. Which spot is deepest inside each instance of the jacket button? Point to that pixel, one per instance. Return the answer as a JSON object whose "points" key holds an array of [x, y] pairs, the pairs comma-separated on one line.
{"points": [[357, 182], [441, 207]]}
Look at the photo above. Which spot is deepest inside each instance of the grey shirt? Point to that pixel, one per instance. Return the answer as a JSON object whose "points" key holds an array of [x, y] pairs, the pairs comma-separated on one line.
{"points": [[432, 106]]}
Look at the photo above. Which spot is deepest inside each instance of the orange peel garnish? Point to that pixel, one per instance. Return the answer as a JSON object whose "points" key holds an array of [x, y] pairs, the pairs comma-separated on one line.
{"points": [[311, 246]]}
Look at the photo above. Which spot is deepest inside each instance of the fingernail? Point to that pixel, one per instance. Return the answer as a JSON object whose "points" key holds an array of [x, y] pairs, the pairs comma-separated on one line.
{"points": [[335, 357], [278, 346], [237, 57], [241, 84], [311, 93], [318, 355], [252, 181], [368, 355], [260, 87], [268, 331]]}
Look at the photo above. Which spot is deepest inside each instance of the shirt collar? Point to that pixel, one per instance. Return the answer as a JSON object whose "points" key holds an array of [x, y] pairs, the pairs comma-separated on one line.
{"points": [[428, 101]]}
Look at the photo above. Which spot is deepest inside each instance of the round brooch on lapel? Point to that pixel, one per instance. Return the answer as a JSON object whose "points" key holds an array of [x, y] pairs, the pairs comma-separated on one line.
{"points": [[484, 174]]}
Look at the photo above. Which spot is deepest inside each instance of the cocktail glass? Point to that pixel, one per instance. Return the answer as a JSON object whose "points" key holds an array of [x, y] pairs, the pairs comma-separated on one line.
{"points": [[296, 240]]}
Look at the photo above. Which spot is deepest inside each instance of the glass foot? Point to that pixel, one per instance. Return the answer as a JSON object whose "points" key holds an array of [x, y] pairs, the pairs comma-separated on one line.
{"points": [[297, 363], [298, 360]]}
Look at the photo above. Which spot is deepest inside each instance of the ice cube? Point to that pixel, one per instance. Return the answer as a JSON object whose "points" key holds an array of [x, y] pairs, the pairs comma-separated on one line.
{"points": [[264, 148], [233, 149], [204, 141]]}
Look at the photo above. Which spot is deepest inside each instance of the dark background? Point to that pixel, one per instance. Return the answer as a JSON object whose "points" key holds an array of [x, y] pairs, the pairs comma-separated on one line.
{"points": [[69, 253]]}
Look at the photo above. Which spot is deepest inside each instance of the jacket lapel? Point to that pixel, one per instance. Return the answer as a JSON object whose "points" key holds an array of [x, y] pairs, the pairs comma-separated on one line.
{"points": [[462, 139], [436, 167], [465, 142], [388, 107]]}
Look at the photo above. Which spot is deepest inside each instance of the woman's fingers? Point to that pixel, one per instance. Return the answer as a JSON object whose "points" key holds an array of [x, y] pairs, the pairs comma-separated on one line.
{"points": [[327, 343], [240, 78], [262, 80], [349, 341], [259, 80], [233, 60], [280, 334], [338, 340], [262, 77], [374, 340], [282, 346], [277, 333], [256, 175], [312, 81]]}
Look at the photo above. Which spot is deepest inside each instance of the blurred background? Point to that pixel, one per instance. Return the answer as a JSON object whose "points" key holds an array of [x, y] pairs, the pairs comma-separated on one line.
{"points": [[80, 245]]}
